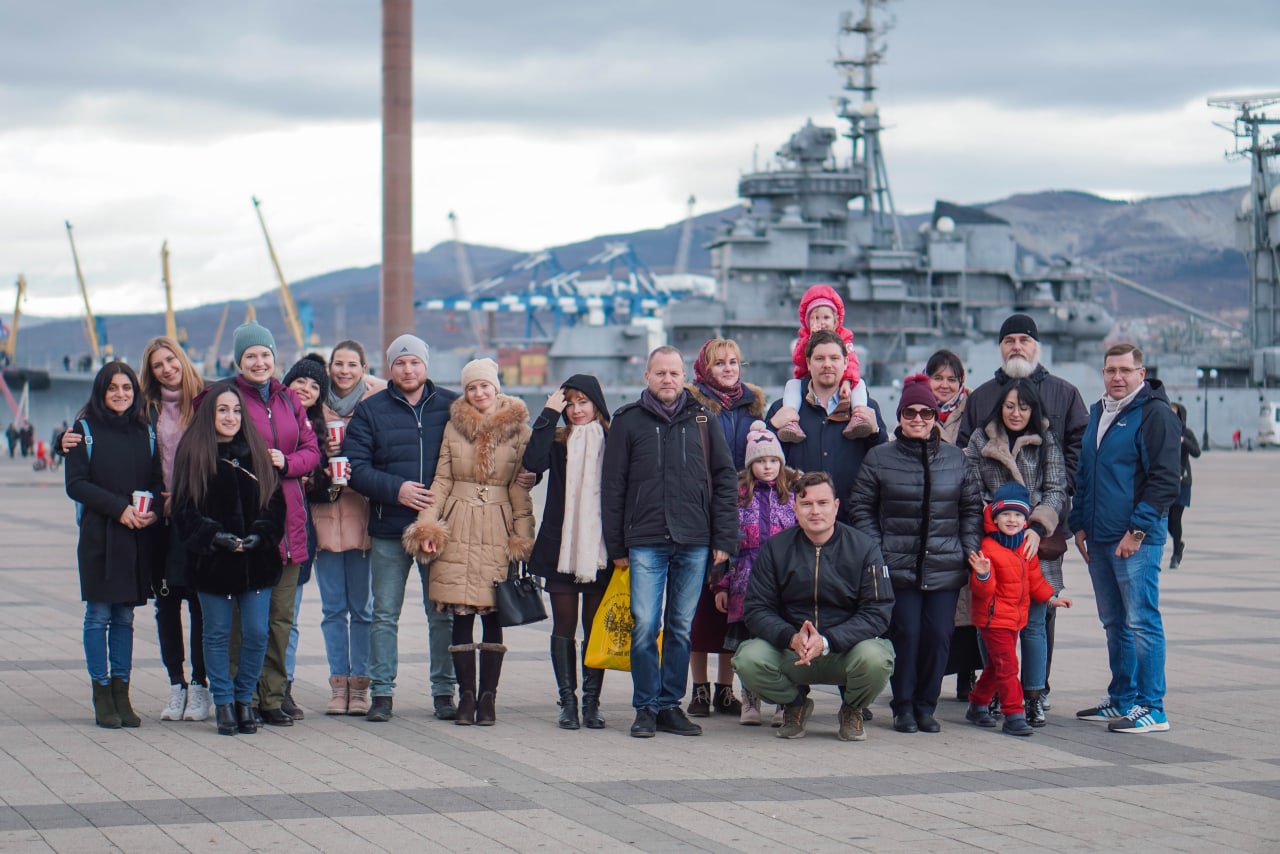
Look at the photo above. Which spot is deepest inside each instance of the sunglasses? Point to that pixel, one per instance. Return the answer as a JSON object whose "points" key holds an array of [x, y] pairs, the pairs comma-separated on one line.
{"points": [[918, 414]]}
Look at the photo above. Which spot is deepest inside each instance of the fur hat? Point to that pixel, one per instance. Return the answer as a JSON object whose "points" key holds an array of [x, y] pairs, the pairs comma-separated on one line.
{"points": [[1018, 324], [481, 369], [252, 334], [407, 345], [1012, 496], [312, 367], [916, 391], [762, 444], [590, 386]]}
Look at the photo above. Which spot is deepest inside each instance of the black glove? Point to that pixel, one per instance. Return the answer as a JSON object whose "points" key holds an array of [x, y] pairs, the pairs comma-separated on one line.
{"points": [[223, 540], [251, 542]]}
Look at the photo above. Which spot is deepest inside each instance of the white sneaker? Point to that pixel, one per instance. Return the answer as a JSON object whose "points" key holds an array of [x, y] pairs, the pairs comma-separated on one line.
{"points": [[177, 702], [199, 704]]}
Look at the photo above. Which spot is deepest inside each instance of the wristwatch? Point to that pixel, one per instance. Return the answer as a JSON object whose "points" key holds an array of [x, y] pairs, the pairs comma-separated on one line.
{"points": [[1138, 536]]}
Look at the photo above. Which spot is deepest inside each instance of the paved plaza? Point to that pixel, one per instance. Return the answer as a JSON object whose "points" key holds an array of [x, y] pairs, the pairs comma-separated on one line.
{"points": [[341, 784]]}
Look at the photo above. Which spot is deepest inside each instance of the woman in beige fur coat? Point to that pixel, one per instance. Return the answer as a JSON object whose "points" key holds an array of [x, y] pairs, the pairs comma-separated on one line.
{"points": [[479, 522]]}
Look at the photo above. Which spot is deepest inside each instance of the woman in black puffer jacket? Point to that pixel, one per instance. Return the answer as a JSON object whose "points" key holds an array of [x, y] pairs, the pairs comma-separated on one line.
{"points": [[913, 497]]}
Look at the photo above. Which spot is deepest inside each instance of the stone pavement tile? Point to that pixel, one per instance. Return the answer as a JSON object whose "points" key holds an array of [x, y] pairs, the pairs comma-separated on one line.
{"points": [[705, 830], [266, 835], [386, 801], [110, 814], [42, 816], [444, 833], [28, 841], [281, 807], [764, 825], [203, 837], [570, 834], [357, 835], [89, 839], [1264, 788], [903, 811], [984, 839], [513, 830], [225, 809], [168, 811], [140, 839], [334, 804], [12, 820]]}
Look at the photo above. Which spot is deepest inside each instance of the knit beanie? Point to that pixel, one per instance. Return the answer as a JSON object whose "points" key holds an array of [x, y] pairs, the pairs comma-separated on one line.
{"points": [[1018, 324], [312, 367], [917, 391], [590, 386], [1011, 496], [481, 369], [252, 334], [817, 303], [407, 345], [762, 444]]}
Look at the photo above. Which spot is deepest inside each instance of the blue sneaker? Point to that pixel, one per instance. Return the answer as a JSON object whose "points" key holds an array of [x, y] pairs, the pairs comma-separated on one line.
{"points": [[1104, 711], [1141, 719]]}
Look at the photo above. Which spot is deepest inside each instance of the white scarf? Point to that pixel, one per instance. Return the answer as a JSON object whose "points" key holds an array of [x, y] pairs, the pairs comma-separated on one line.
{"points": [[582, 551]]}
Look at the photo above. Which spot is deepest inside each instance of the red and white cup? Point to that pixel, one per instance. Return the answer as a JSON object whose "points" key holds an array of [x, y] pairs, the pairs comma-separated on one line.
{"points": [[337, 431], [339, 470], [142, 500]]}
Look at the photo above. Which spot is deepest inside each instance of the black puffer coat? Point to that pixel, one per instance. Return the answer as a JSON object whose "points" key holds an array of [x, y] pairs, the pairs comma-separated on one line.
{"points": [[115, 562], [390, 441], [231, 505], [913, 498], [654, 489]]}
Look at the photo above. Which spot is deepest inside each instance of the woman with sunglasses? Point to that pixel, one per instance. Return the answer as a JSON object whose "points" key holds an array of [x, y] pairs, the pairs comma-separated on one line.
{"points": [[913, 498]]}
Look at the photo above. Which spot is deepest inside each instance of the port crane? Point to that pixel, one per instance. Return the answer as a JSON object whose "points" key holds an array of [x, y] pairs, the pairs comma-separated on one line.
{"points": [[293, 316], [94, 330], [170, 320], [481, 329], [9, 349]]}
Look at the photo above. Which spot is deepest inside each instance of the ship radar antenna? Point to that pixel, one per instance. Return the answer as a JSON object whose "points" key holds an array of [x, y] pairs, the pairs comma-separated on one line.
{"points": [[858, 73]]}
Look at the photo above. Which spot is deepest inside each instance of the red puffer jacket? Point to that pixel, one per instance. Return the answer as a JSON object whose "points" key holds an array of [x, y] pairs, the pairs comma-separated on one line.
{"points": [[852, 370], [1003, 599]]}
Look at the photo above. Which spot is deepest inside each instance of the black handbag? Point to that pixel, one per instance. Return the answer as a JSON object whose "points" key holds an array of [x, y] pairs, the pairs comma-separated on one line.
{"points": [[519, 598]]}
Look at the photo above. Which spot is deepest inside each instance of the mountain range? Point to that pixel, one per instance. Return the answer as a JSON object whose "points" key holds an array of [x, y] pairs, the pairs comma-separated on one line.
{"points": [[1183, 246]]}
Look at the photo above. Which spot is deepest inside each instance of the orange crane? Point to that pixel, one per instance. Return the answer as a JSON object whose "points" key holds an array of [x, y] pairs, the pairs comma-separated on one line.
{"points": [[9, 349], [288, 307], [100, 351], [170, 320]]}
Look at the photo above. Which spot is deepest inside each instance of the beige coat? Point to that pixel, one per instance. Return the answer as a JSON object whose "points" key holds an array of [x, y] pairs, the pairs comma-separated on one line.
{"points": [[480, 520], [343, 525]]}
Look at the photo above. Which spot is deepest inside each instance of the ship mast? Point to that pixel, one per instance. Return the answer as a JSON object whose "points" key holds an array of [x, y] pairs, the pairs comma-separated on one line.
{"points": [[864, 120]]}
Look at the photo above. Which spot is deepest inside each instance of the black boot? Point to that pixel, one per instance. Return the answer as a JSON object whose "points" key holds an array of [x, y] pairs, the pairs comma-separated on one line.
{"points": [[104, 707], [564, 661], [490, 672], [289, 707], [245, 721], [1176, 560], [464, 667], [226, 717], [1034, 708], [592, 682], [723, 701], [120, 694]]}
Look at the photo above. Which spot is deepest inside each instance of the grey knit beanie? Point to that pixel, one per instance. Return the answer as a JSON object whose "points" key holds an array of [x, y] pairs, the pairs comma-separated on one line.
{"points": [[252, 334]]}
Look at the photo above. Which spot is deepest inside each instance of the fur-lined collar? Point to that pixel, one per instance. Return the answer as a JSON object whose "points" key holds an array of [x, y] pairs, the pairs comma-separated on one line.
{"points": [[503, 423], [755, 403], [997, 447]]}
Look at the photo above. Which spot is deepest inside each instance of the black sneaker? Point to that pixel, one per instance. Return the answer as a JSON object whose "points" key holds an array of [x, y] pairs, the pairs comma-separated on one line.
{"points": [[979, 715], [445, 709], [645, 725], [700, 705], [1016, 724], [672, 720], [379, 710]]}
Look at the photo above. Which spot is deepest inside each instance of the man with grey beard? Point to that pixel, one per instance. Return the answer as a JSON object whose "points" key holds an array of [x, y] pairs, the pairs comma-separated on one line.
{"points": [[1068, 418]]}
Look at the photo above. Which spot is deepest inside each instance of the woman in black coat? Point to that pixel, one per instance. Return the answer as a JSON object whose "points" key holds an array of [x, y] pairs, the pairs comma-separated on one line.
{"points": [[117, 547], [230, 513], [913, 497], [1190, 448], [575, 569]]}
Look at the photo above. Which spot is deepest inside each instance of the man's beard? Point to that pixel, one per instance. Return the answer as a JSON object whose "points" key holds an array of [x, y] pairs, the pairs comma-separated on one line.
{"points": [[1018, 368]]}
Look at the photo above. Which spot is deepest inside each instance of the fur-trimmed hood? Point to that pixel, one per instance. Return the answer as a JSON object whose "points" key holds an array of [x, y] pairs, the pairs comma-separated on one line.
{"points": [[997, 450], [488, 430], [754, 403]]}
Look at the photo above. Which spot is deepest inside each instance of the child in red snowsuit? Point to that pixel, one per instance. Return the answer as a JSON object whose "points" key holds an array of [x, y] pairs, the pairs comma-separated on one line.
{"points": [[1002, 587], [822, 309]]}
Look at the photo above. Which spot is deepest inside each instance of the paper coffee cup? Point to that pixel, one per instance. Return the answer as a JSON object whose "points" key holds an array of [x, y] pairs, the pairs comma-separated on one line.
{"points": [[337, 431], [339, 470], [142, 500]]}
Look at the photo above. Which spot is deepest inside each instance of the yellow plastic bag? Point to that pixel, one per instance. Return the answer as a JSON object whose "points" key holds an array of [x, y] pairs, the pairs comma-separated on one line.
{"points": [[610, 644]]}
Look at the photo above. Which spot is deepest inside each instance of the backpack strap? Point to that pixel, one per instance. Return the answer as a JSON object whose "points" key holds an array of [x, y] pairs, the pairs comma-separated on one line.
{"points": [[88, 438]]}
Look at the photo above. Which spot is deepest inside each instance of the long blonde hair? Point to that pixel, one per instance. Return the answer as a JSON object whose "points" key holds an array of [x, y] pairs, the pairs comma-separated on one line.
{"points": [[192, 384]]}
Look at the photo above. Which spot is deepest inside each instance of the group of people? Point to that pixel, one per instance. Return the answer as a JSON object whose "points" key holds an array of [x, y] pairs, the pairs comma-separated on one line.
{"points": [[803, 544]]}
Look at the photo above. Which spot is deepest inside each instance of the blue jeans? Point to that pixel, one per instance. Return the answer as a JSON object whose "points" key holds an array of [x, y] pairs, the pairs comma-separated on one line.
{"points": [[346, 603], [681, 571], [255, 609], [389, 569], [1127, 591], [108, 640], [1035, 648], [291, 651]]}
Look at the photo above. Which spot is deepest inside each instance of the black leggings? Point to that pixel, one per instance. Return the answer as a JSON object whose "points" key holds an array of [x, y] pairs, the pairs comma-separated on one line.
{"points": [[564, 613], [169, 629], [1175, 523], [464, 628]]}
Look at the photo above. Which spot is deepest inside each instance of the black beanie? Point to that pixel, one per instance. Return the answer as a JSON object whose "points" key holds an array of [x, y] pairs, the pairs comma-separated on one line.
{"points": [[1019, 324], [590, 386], [312, 367]]}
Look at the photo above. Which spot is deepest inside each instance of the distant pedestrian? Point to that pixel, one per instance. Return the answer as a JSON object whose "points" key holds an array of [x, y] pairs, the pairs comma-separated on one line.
{"points": [[1190, 448], [11, 435], [1235, 437]]}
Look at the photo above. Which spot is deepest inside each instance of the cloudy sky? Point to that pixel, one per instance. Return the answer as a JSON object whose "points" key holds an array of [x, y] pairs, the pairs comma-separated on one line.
{"points": [[544, 123]]}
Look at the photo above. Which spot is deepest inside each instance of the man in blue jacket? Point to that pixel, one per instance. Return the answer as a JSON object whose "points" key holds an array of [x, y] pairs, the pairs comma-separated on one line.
{"points": [[668, 501], [1129, 476], [393, 442]]}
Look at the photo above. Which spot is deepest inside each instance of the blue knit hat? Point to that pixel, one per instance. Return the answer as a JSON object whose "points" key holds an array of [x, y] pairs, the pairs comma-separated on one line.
{"points": [[1012, 496], [252, 334]]}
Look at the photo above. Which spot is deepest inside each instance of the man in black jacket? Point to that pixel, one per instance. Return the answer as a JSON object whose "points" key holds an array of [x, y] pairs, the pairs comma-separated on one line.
{"points": [[668, 501], [393, 442], [818, 601]]}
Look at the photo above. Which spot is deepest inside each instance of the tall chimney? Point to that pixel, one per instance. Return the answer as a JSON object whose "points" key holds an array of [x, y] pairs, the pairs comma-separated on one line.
{"points": [[396, 307]]}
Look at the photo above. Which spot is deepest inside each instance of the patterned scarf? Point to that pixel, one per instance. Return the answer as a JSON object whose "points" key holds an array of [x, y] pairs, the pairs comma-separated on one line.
{"points": [[726, 395]]}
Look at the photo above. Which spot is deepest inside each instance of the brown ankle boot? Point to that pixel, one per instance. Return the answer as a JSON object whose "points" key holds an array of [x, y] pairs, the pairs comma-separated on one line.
{"points": [[358, 695], [464, 668], [490, 672], [338, 703]]}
